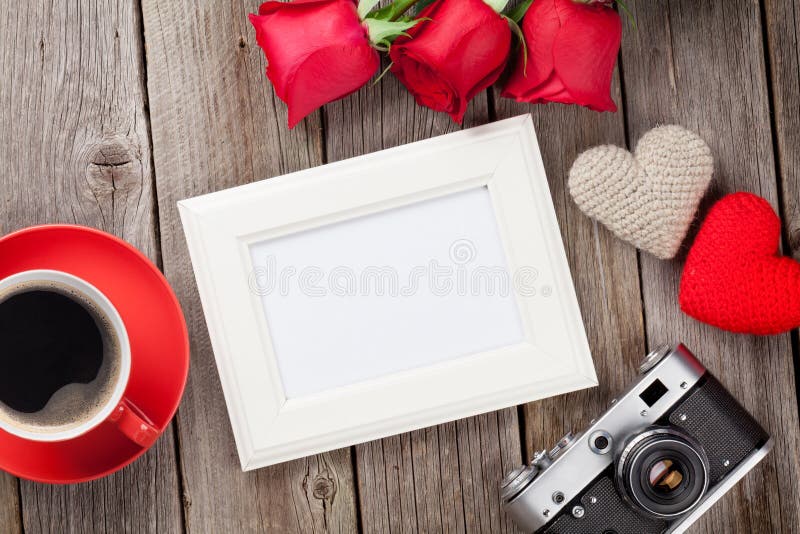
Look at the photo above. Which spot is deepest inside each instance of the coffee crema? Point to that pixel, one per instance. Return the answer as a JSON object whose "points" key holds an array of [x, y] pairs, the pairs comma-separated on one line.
{"points": [[60, 357]]}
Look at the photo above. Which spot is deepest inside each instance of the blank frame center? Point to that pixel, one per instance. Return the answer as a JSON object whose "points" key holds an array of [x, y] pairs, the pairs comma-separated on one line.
{"points": [[384, 293]]}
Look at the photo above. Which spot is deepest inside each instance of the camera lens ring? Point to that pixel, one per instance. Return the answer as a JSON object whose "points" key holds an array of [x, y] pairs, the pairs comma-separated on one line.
{"points": [[663, 471]]}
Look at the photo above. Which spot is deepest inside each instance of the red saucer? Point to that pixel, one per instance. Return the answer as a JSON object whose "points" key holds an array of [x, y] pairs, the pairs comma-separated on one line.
{"points": [[158, 337]]}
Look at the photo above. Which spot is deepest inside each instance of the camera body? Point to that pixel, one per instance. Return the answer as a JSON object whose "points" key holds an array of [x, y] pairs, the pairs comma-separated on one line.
{"points": [[666, 449]]}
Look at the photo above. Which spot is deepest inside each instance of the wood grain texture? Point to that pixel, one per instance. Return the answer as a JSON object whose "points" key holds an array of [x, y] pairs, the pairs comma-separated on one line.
{"points": [[10, 516], [702, 65], [216, 123], [75, 148], [604, 270], [444, 478], [783, 34]]}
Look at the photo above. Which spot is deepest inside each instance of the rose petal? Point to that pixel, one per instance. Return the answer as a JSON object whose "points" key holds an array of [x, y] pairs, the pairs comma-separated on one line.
{"points": [[485, 47], [287, 32], [585, 52], [463, 49], [428, 88], [269, 7], [300, 36], [329, 74], [540, 27], [551, 90]]}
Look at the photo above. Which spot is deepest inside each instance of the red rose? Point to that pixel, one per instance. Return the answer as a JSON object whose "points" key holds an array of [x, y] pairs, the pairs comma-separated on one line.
{"points": [[572, 48], [317, 51], [447, 60]]}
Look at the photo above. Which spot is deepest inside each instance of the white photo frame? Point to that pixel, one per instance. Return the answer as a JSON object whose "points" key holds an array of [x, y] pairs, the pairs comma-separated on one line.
{"points": [[487, 182]]}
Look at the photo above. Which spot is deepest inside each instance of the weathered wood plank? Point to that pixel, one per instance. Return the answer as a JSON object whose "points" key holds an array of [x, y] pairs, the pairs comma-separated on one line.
{"points": [[783, 28], [216, 123], [441, 478], [604, 270], [76, 148], [10, 516], [702, 65]]}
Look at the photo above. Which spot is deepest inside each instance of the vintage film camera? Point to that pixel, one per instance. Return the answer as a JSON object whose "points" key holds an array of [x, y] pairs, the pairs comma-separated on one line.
{"points": [[662, 454]]}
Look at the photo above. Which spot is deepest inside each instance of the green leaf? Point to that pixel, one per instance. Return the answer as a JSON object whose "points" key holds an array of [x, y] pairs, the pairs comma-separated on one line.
{"points": [[521, 36], [365, 6], [393, 11], [497, 5], [383, 32], [517, 12], [384, 13]]}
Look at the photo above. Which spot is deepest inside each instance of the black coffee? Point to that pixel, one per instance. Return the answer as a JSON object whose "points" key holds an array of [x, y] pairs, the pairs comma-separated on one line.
{"points": [[48, 341], [58, 357]]}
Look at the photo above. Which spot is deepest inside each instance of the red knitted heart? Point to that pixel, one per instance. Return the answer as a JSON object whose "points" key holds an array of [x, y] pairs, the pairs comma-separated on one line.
{"points": [[733, 277]]}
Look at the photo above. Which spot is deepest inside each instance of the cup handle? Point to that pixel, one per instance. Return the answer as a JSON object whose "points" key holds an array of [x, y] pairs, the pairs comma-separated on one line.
{"points": [[132, 422]]}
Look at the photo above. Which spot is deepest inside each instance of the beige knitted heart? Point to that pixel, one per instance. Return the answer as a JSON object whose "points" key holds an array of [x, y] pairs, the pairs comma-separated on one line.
{"points": [[648, 198]]}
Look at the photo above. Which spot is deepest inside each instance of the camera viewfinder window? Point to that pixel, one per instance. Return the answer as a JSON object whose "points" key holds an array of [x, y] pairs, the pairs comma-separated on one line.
{"points": [[653, 392]]}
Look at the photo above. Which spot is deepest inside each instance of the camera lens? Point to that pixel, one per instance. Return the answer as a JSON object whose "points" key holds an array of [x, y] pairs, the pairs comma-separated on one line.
{"points": [[666, 476], [663, 471]]}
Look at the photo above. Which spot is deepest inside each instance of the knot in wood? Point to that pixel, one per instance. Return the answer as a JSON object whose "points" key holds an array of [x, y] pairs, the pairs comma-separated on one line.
{"points": [[323, 487], [114, 151], [114, 164]]}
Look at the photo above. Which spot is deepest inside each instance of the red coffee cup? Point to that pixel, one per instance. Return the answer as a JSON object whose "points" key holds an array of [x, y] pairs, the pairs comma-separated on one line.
{"points": [[151, 358], [90, 412]]}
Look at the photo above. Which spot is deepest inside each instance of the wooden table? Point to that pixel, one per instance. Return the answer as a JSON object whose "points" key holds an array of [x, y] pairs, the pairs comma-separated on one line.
{"points": [[112, 111]]}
